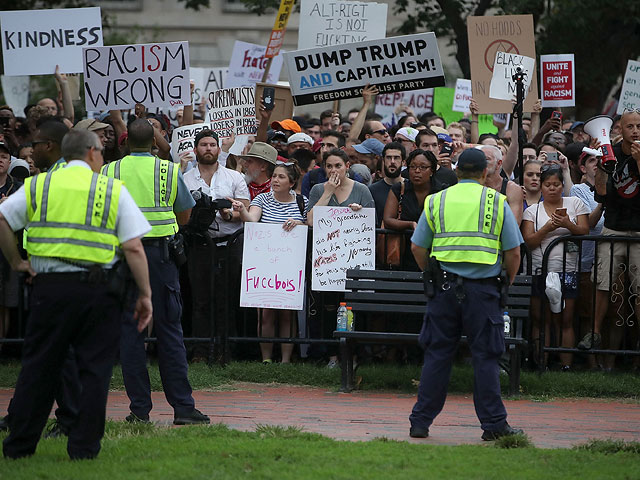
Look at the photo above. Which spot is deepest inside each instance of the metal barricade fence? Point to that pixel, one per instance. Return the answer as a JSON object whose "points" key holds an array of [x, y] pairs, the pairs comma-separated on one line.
{"points": [[596, 293]]}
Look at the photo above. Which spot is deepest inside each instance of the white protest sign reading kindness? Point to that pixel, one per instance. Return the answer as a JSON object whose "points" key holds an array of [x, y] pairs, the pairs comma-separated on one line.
{"points": [[154, 74], [410, 62], [273, 265], [248, 63], [325, 23], [232, 111], [35, 41], [462, 96], [342, 239], [630, 94], [182, 140], [504, 67]]}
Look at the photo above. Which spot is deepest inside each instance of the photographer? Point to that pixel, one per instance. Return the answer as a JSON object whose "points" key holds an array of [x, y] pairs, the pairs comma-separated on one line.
{"points": [[208, 244]]}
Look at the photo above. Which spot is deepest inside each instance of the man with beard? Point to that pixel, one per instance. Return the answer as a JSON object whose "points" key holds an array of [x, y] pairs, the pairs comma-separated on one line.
{"points": [[216, 181], [393, 156]]}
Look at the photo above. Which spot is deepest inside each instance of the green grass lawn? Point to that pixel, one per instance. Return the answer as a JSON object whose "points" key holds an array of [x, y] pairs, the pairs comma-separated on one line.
{"points": [[215, 452], [385, 377]]}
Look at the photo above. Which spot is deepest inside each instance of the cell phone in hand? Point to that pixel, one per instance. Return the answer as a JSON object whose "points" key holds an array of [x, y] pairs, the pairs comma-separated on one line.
{"points": [[268, 97], [561, 211], [446, 150], [552, 157], [556, 114]]}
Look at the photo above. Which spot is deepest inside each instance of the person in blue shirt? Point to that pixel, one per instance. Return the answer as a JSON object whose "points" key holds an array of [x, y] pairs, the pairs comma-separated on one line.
{"points": [[466, 297]]}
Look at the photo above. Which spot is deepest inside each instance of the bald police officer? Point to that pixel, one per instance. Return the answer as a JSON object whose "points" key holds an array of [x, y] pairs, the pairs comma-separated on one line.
{"points": [[464, 235], [76, 224]]}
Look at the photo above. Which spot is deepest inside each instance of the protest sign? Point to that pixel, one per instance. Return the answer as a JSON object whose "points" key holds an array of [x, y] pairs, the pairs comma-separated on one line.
{"points": [[273, 266], [35, 41], [73, 80], [325, 23], [502, 86], [277, 33], [16, 92], [206, 80], [462, 96], [505, 33], [182, 140], [409, 62], [420, 101], [154, 74], [630, 94], [232, 111], [342, 239], [442, 106], [558, 80], [248, 63]]}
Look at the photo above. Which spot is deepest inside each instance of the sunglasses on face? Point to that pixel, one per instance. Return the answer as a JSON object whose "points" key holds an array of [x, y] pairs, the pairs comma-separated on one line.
{"points": [[286, 164], [381, 132]]}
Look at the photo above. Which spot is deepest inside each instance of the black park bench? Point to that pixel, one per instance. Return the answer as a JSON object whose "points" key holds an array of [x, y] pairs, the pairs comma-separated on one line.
{"points": [[398, 292]]}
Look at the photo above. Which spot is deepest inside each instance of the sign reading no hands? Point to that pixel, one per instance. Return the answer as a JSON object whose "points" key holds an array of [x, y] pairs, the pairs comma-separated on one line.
{"points": [[273, 266], [35, 41], [410, 62], [558, 80], [118, 77]]}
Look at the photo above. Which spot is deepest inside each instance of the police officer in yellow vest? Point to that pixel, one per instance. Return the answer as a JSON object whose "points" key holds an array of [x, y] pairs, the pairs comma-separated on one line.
{"points": [[77, 224], [470, 232], [159, 190]]}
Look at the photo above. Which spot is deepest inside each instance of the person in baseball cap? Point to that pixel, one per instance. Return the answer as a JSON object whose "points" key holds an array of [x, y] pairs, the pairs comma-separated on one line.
{"points": [[93, 125], [299, 140], [288, 126], [472, 162], [259, 164]]}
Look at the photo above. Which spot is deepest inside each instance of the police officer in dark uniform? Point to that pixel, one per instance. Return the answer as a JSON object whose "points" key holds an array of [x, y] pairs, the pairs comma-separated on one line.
{"points": [[464, 236], [76, 221], [159, 190]]}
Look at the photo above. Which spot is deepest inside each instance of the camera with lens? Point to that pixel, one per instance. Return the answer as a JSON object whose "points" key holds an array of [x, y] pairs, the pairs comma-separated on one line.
{"points": [[203, 214]]}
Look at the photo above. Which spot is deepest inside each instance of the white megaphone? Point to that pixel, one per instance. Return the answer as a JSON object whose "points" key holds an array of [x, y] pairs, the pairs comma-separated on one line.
{"points": [[598, 127]]}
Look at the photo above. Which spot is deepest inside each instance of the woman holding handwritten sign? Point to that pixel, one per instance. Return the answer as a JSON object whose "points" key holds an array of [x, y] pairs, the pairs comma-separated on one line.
{"points": [[338, 191], [280, 205]]}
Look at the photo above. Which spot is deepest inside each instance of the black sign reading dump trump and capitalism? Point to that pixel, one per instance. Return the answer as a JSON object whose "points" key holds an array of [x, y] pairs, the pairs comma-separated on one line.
{"points": [[396, 64]]}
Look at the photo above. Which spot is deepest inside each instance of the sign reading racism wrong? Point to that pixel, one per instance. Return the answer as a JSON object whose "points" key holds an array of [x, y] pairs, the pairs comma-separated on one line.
{"points": [[342, 239], [155, 75], [505, 33], [396, 64], [558, 80], [35, 41], [326, 23], [232, 111], [273, 266]]}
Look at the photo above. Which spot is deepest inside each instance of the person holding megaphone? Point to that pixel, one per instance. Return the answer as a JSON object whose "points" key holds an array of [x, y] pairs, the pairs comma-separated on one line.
{"points": [[617, 187]]}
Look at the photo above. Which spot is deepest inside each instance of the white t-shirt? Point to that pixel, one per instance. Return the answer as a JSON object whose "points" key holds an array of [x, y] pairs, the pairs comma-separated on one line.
{"points": [[224, 183], [537, 215]]}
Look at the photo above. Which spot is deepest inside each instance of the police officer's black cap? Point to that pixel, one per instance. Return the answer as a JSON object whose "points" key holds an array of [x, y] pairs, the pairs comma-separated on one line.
{"points": [[205, 133], [473, 160]]}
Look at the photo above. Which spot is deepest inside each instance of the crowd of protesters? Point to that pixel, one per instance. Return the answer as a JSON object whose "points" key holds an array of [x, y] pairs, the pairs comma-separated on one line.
{"points": [[362, 160]]}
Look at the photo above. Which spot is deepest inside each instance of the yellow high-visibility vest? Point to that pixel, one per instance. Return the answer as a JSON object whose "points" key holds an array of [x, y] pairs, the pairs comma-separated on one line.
{"points": [[153, 184], [467, 221], [72, 215]]}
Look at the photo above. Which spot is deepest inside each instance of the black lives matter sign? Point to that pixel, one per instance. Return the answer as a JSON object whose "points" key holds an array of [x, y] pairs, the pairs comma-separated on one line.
{"points": [[396, 64]]}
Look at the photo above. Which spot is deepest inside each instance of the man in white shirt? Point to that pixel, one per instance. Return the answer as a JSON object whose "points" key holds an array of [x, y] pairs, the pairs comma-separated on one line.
{"points": [[217, 247]]}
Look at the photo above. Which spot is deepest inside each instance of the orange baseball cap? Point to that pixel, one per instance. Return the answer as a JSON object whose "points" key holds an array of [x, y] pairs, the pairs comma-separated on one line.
{"points": [[287, 124]]}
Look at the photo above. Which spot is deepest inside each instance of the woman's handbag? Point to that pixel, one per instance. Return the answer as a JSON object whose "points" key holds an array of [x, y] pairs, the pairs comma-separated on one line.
{"points": [[390, 246]]}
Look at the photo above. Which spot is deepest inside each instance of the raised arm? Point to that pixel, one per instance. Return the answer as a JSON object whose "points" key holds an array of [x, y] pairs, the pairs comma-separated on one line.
{"points": [[368, 94]]}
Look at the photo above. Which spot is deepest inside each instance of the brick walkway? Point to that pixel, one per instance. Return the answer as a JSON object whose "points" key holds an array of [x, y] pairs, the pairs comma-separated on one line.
{"points": [[364, 416]]}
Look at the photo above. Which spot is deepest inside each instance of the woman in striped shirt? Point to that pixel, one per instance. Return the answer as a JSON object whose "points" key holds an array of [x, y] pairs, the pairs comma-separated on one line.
{"points": [[280, 205]]}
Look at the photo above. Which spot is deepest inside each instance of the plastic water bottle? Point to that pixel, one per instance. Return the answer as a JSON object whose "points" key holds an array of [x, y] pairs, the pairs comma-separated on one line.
{"points": [[341, 319], [350, 318], [507, 324]]}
